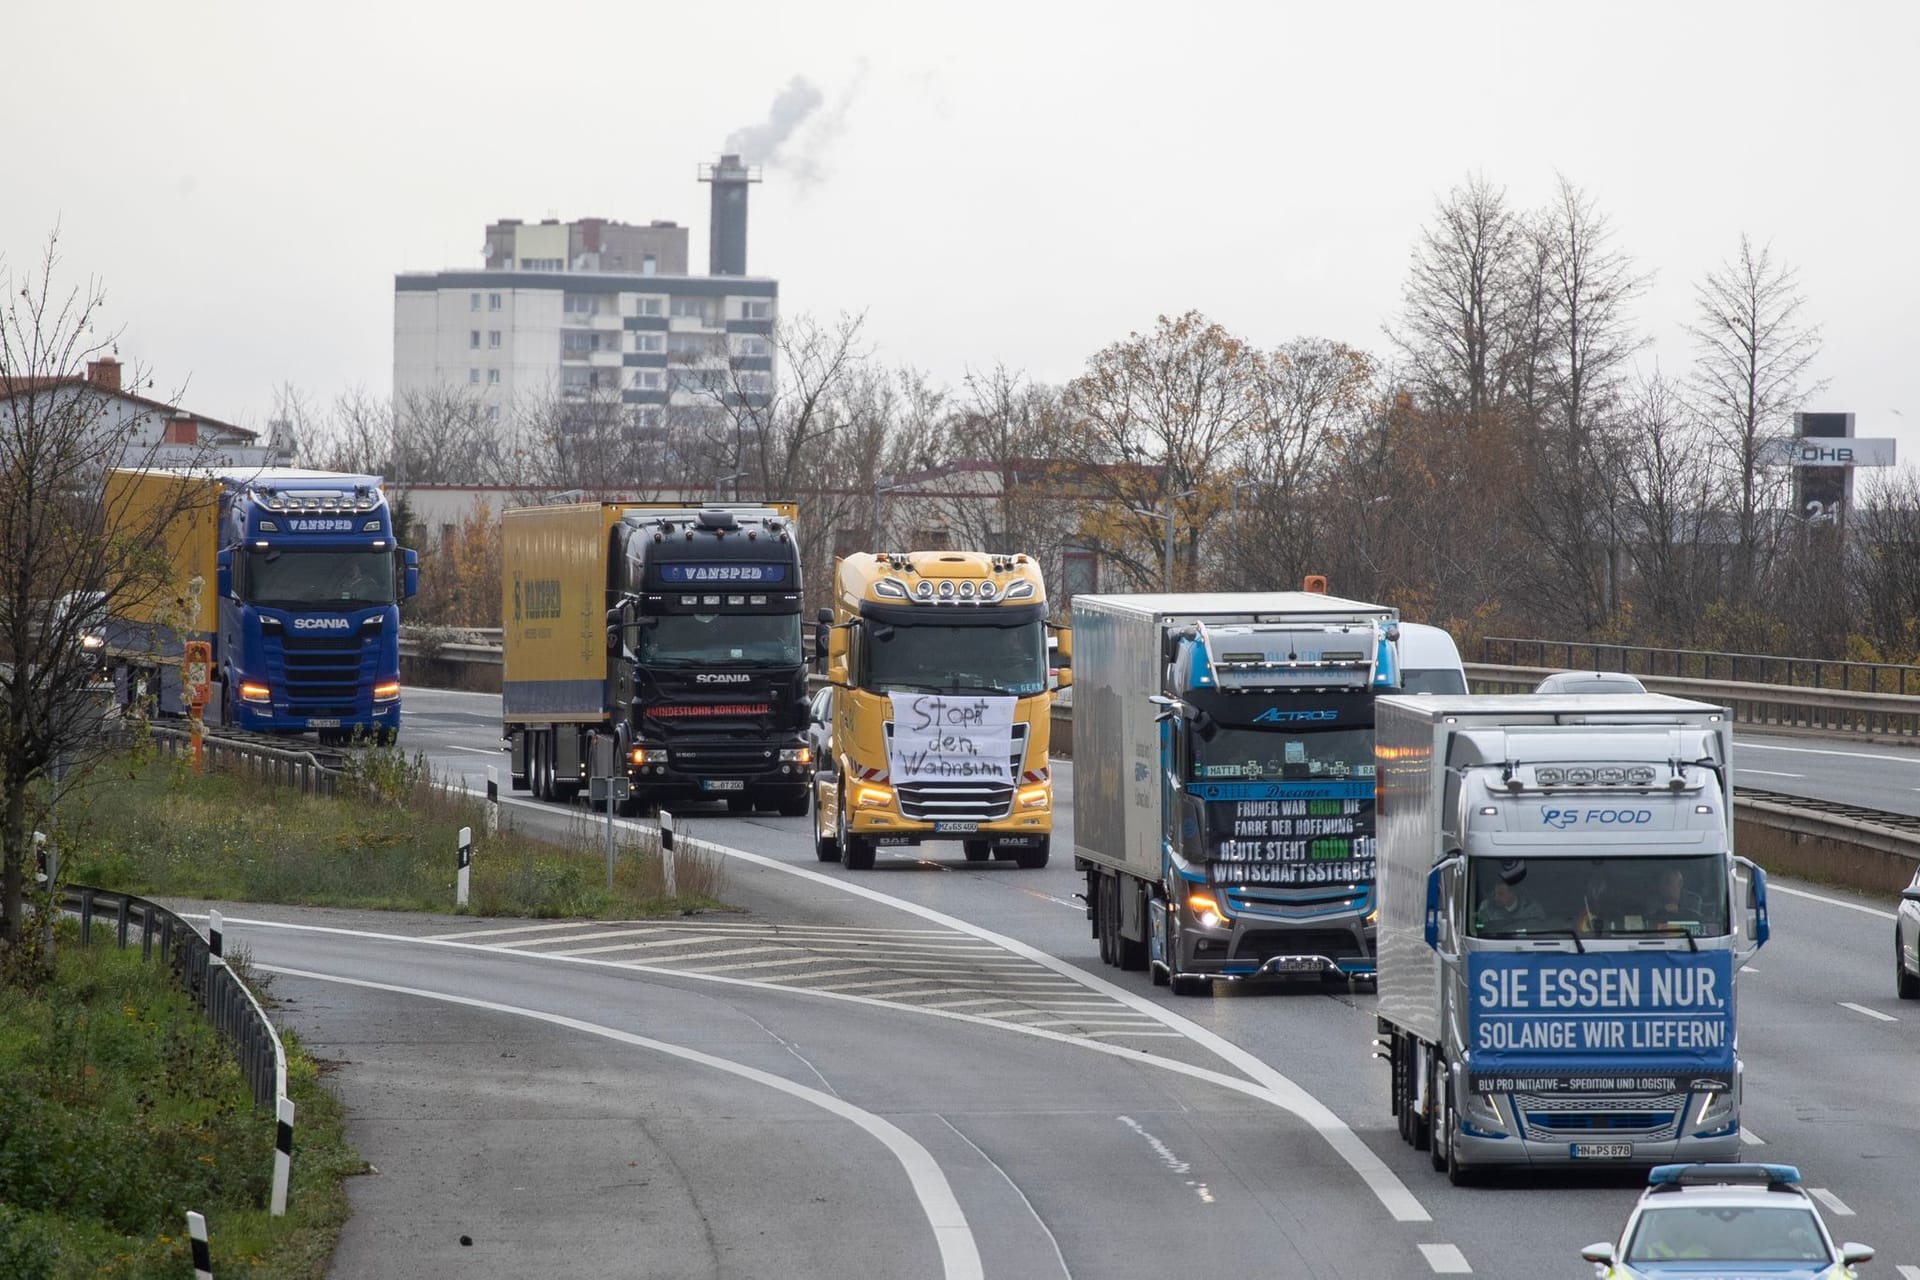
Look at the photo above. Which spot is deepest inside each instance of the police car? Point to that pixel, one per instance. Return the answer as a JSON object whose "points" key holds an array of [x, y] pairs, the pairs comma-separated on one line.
{"points": [[1725, 1222]]}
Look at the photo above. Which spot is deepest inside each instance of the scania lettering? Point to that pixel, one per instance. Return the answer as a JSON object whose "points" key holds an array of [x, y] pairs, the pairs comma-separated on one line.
{"points": [[660, 643], [302, 610], [941, 707], [1223, 797], [1561, 920]]}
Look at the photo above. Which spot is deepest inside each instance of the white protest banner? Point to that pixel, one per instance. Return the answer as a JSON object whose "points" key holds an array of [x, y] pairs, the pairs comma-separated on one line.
{"points": [[941, 737]]}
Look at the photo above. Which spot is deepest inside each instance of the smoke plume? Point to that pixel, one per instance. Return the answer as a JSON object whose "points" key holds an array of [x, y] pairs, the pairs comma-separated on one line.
{"points": [[796, 131]]}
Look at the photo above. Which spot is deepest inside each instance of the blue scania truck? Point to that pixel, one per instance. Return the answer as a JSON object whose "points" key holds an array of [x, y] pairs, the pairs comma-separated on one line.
{"points": [[1223, 786], [293, 577]]}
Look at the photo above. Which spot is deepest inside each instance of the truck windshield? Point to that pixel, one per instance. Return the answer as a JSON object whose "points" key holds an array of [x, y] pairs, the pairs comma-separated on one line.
{"points": [[702, 639], [930, 658], [308, 579], [1284, 754], [1597, 897]]}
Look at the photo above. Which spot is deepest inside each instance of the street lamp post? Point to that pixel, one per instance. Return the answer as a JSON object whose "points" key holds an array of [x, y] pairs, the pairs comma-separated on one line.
{"points": [[1167, 515], [721, 482]]}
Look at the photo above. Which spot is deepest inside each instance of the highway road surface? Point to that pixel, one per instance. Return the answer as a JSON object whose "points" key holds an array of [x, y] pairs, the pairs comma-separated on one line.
{"points": [[924, 1070]]}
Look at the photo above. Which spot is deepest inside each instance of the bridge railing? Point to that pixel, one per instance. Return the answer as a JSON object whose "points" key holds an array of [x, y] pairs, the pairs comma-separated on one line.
{"points": [[1702, 664]]}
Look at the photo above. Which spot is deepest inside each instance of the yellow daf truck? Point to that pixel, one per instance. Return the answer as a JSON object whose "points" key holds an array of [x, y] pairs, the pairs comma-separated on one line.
{"points": [[938, 709]]}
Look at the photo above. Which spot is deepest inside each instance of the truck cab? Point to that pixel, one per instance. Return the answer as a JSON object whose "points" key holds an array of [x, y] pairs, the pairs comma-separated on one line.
{"points": [[940, 666]]}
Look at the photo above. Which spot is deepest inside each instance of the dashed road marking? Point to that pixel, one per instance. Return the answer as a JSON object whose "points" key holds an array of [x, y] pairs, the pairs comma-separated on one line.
{"points": [[1446, 1259], [1771, 773], [1832, 902], [1871, 1013], [1835, 1205], [1751, 1138], [1909, 1273], [498, 933]]}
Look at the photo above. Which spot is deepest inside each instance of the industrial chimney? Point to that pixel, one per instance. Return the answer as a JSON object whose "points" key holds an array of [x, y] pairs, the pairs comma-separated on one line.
{"points": [[727, 230]]}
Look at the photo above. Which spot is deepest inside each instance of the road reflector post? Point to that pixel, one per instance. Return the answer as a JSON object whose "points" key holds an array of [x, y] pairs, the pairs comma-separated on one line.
{"points": [[282, 1155], [493, 801], [466, 860], [197, 1235], [216, 929], [666, 855]]}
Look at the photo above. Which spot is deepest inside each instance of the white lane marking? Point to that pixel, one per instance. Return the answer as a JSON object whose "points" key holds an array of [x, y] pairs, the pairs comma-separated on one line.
{"points": [[1908, 1273], [1173, 1162], [818, 973], [1771, 773], [1871, 1013], [1747, 968], [958, 1004], [691, 940], [752, 964], [479, 751], [501, 933], [1385, 1185], [1138, 1035], [1087, 1022], [1832, 902], [867, 986], [995, 1165], [959, 1254], [1446, 1259], [1751, 1138], [1818, 751], [1835, 1205]]}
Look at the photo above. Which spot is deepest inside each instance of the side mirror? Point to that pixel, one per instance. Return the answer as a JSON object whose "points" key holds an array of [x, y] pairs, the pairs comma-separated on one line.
{"points": [[1062, 657], [1433, 907], [1598, 1254], [837, 655], [1854, 1254], [223, 575], [1910, 894], [1206, 726], [1756, 904], [410, 585]]}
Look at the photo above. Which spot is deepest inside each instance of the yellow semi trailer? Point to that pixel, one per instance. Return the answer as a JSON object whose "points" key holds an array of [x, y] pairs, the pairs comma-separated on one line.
{"points": [[939, 666]]}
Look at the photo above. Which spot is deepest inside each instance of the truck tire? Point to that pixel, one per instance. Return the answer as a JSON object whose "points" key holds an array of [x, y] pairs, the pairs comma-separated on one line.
{"points": [[1103, 915], [1129, 953], [1034, 858], [977, 850], [1906, 985], [825, 847], [856, 852], [1440, 1148], [537, 769]]}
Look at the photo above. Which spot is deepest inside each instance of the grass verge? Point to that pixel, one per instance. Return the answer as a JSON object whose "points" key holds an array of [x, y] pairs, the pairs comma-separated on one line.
{"points": [[124, 1110], [153, 827]]}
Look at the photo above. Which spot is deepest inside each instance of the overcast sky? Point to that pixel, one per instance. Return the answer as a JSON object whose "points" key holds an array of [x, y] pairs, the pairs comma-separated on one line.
{"points": [[1020, 182]]}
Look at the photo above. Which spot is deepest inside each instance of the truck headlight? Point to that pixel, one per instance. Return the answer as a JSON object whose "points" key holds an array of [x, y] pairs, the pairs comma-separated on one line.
{"points": [[870, 797], [796, 755], [1481, 1112], [251, 692], [1716, 1110], [1206, 910], [386, 691], [1036, 797], [647, 755]]}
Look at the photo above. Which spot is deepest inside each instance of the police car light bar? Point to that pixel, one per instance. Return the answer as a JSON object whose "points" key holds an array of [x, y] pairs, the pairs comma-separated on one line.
{"points": [[1696, 1175]]}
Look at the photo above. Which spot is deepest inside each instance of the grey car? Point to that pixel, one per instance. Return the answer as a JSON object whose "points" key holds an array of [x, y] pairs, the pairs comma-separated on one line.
{"points": [[1906, 942], [1590, 682]]}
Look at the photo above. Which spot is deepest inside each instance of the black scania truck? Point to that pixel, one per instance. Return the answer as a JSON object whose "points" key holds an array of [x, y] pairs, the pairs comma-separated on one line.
{"points": [[666, 638]]}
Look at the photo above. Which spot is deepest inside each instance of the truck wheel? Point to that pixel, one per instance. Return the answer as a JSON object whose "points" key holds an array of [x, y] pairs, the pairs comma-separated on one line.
{"points": [[1157, 972], [1906, 985], [977, 850], [1440, 1148], [1034, 858], [1103, 915], [1129, 953], [855, 852], [538, 767]]}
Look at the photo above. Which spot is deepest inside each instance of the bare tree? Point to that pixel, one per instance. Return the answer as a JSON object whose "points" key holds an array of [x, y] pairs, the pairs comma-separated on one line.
{"points": [[1159, 418], [1752, 353], [1460, 301], [71, 553], [444, 435], [1670, 529], [356, 435], [1884, 529], [1570, 501], [1312, 393]]}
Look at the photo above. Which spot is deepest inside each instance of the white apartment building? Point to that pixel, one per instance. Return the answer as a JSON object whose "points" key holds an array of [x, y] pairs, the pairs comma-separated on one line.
{"points": [[519, 337]]}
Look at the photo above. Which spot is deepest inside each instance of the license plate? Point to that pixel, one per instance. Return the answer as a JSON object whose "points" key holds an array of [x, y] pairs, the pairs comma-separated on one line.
{"points": [[723, 784], [955, 828], [1296, 964], [1603, 1151], [324, 722]]}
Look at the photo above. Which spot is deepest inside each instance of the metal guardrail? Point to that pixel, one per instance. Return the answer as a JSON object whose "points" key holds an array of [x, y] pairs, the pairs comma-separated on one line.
{"points": [[1770, 706], [1701, 664], [253, 757], [225, 1000]]}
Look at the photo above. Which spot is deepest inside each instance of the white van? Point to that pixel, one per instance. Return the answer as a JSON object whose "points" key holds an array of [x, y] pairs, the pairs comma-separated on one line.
{"points": [[1429, 661]]}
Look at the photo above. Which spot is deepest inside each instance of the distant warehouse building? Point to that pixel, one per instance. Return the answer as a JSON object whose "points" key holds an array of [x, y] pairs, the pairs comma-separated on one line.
{"points": [[594, 312]]}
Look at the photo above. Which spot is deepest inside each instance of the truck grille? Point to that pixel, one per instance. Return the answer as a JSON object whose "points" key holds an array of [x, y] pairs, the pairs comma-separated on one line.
{"points": [[1293, 904], [1334, 944], [720, 759], [1546, 1118], [962, 801], [324, 674]]}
